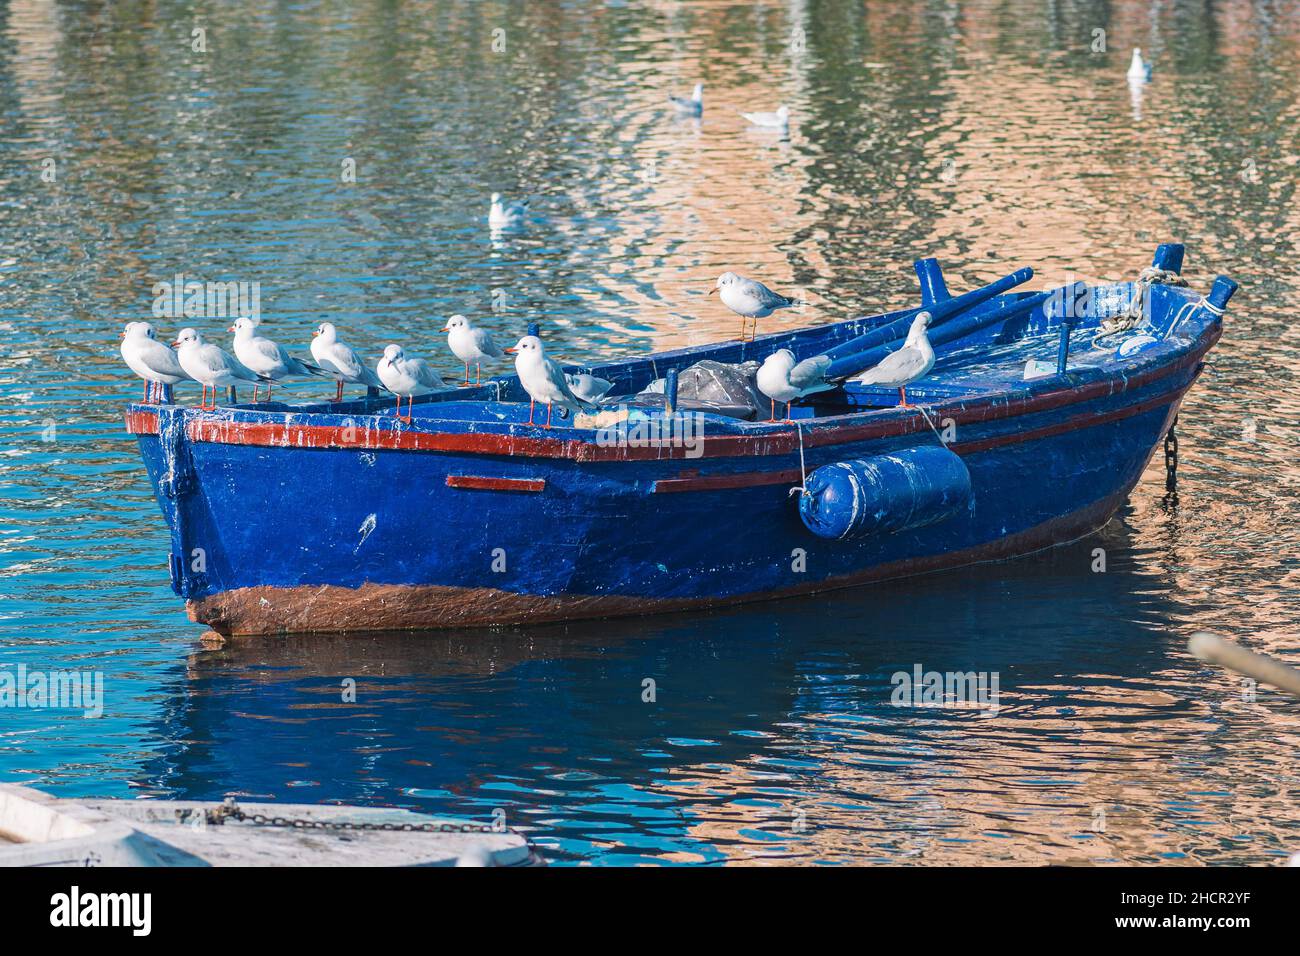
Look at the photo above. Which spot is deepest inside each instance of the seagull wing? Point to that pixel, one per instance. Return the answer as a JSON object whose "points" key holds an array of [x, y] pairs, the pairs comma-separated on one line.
{"points": [[766, 296], [297, 366], [810, 375], [483, 339], [161, 360], [560, 382], [901, 367], [421, 371]]}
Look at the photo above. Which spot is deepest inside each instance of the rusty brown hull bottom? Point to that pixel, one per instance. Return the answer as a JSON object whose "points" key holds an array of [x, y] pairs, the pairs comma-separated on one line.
{"points": [[394, 607]]}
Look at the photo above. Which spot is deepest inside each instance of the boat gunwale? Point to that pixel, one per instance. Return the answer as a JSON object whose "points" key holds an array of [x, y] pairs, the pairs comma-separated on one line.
{"points": [[314, 430]]}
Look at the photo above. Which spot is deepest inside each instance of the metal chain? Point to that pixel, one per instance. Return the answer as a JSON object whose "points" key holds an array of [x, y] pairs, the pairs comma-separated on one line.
{"points": [[1171, 458], [230, 810]]}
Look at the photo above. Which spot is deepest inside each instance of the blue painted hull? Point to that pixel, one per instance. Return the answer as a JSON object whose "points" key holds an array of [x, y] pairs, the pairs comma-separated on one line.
{"points": [[326, 518]]}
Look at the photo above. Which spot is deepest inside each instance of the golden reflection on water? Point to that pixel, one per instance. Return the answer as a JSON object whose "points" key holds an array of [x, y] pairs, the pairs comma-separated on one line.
{"points": [[986, 134]]}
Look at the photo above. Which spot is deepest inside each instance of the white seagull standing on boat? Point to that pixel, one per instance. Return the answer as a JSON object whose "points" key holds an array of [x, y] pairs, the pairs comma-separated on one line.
{"points": [[407, 377], [692, 106], [749, 299], [210, 365], [150, 359], [778, 120], [267, 359], [339, 360], [589, 388], [544, 380], [910, 363], [781, 380], [470, 344], [1138, 69], [502, 215]]}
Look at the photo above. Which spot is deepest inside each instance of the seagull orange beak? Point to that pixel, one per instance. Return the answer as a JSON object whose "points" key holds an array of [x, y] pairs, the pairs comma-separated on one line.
{"points": [[176, 344], [446, 328], [316, 333], [231, 329], [122, 336], [512, 350]]}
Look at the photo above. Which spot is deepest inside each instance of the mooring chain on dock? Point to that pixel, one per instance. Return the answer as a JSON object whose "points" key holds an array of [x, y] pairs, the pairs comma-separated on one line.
{"points": [[230, 810]]}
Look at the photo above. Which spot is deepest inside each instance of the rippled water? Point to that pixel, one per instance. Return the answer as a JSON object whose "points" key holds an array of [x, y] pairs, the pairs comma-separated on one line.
{"points": [[988, 134]]}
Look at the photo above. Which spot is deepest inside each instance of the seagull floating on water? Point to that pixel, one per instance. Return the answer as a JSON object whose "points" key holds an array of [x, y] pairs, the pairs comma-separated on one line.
{"points": [[339, 360], [150, 359], [503, 215], [210, 365], [589, 388], [470, 344], [781, 380], [692, 106], [269, 361], [900, 369], [407, 377], [749, 299], [778, 120], [1138, 69], [544, 380]]}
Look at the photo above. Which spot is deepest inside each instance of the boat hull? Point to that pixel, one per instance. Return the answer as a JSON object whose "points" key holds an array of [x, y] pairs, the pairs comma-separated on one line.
{"points": [[288, 532]]}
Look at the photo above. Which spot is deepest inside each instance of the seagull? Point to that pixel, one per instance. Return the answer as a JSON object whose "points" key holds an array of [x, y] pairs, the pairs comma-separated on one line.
{"points": [[339, 360], [589, 388], [150, 359], [900, 369], [778, 120], [749, 299], [407, 377], [502, 216], [781, 380], [1138, 69], [693, 106], [471, 345], [210, 365], [544, 380], [269, 361]]}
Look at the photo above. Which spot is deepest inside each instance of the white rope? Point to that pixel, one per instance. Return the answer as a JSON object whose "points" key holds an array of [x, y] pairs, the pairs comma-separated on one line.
{"points": [[926, 415], [803, 469]]}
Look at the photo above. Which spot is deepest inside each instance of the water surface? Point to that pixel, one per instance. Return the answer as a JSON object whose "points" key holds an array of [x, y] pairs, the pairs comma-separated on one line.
{"points": [[991, 135]]}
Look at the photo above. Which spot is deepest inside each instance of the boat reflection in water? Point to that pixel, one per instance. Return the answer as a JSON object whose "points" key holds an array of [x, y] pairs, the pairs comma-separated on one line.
{"points": [[772, 738]]}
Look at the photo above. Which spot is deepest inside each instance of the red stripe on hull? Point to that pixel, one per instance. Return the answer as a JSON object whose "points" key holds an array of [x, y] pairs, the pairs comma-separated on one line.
{"points": [[282, 434], [482, 483]]}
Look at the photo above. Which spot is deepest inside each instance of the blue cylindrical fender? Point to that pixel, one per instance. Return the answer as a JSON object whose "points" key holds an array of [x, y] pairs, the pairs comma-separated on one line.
{"points": [[900, 491]]}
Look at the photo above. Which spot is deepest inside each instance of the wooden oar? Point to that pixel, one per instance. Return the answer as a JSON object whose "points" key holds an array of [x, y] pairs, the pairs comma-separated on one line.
{"points": [[968, 325], [1266, 670], [940, 312]]}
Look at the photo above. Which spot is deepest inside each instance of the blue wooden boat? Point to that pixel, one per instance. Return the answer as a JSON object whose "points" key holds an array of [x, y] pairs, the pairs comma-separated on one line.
{"points": [[1033, 427]]}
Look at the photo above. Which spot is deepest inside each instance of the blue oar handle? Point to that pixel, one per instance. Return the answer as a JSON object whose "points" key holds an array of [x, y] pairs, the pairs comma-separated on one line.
{"points": [[939, 312]]}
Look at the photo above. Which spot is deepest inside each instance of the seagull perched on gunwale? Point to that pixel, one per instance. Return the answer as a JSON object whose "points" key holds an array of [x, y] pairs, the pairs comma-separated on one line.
{"points": [[470, 344], [749, 299], [267, 359], [692, 105], [589, 388], [150, 359], [502, 215], [910, 363], [407, 377], [544, 380], [781, 380], [210, 365], [339, 360]]}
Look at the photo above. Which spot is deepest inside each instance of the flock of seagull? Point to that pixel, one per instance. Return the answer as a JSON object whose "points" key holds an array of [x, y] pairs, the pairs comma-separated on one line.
{"points": [[262, 362]]}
